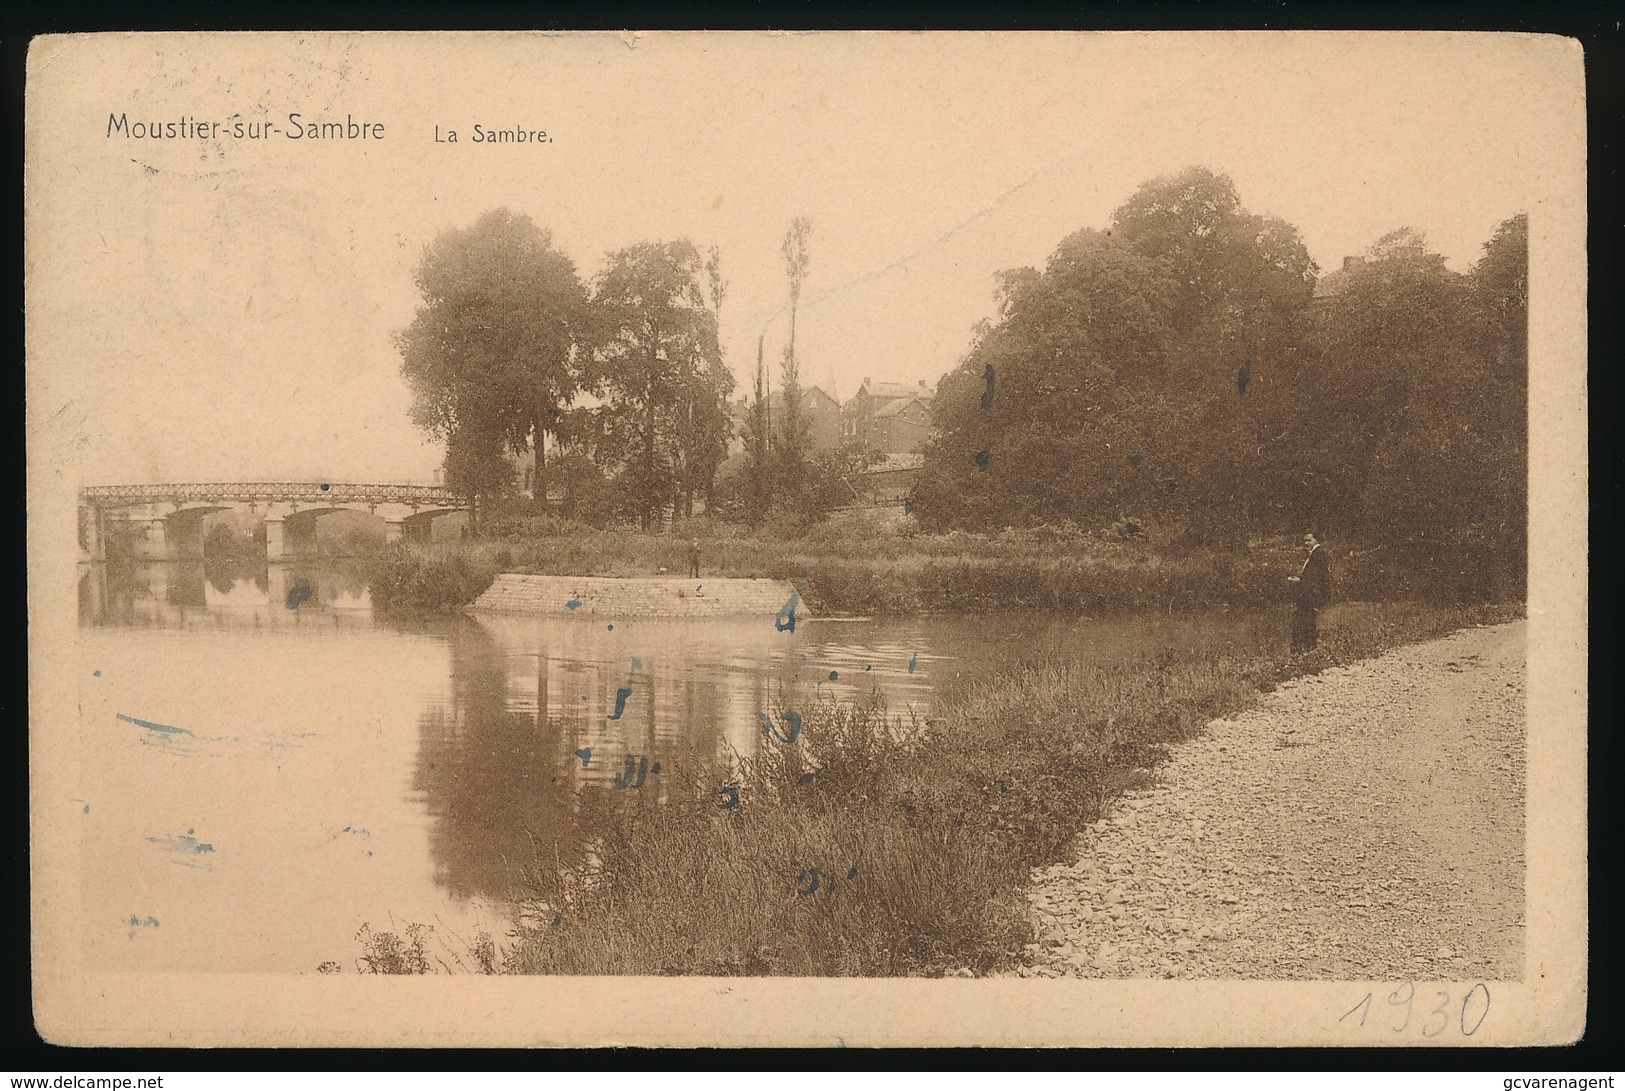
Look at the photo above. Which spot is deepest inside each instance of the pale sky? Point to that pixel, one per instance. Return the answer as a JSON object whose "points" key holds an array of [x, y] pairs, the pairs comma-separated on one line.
{"points": [[222, 309]]}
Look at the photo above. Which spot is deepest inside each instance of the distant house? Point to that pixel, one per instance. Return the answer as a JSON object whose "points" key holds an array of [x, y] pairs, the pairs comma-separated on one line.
{"points": [[889, 481], [901, 427], [891, 418], [1334, 283], [823, 416], [821, 413]]}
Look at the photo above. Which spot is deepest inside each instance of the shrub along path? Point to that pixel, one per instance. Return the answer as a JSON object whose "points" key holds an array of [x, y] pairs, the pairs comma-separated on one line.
{"points": [[1366, 822]]}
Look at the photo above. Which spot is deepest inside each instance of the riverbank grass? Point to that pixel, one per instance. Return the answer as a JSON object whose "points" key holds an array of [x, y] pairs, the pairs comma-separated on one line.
{"points": [[861, 845], [866, 565]]}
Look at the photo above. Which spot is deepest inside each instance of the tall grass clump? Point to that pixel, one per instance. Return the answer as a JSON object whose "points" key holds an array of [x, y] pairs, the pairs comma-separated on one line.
{"points": [[794, 861]]}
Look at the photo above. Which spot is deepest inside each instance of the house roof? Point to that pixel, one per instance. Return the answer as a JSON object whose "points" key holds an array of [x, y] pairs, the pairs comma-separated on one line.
{"points": [[1336, 281], [901, 405], [897, 390], [892, 463]]}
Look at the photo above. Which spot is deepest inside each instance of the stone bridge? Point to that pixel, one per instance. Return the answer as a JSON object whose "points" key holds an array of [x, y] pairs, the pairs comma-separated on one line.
{"points": [[165, 522]]}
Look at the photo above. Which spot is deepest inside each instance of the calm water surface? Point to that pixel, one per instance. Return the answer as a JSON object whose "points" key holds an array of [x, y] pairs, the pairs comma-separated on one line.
{"points": [[267, 767]]}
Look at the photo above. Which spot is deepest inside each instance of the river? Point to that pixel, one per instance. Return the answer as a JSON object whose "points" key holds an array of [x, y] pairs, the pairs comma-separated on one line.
{"points": [[267, 767]]}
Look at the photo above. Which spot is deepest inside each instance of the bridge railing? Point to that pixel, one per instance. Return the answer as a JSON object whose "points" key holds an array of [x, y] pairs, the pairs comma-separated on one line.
{"points": [[269, 492]]}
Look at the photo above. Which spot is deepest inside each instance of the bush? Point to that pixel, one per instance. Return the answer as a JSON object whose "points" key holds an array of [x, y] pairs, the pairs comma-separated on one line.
{"points": [[412, 579]]}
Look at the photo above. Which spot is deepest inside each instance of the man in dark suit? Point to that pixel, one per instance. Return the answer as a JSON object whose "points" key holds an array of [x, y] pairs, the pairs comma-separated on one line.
{"points": [[1312, 588]]}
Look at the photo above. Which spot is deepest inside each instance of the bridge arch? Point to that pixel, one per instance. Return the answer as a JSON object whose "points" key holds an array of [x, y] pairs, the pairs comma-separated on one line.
{"points": [[164, 522], [184, 529]]}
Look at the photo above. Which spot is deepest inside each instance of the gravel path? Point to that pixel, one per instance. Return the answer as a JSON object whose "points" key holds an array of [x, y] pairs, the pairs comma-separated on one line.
{"points": [[1363, 823]]}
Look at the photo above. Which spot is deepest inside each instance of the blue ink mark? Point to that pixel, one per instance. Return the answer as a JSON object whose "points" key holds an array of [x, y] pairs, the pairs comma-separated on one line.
{"points": [[833, 675], [730, 796], [585, 753], [583, 696], [612, 626], [573, 604], [557, 919], [699, 589], [805, 778], [324, 486], [620, 702], [298, 593], [913, 659], [982, 459], [853, 873], [785, 621], [655, 768], [150, 726], [807, 881], [183, 843], [87, 808], [908, 509], [791, 718], [867, 668], [362, 832], [637, 770], [332, 594], [637, 664], [95, 674]]}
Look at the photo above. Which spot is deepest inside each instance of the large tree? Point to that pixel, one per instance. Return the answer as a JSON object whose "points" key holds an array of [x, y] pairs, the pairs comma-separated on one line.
{"points": [[1120, 379], [1032, 424], [658, 366], [703, 425], [1241, 283], [1412, 428], [489, 355]]}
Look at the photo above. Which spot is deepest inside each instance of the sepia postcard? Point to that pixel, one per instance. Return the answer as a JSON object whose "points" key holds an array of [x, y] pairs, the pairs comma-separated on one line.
{"points": [[807, 539]]}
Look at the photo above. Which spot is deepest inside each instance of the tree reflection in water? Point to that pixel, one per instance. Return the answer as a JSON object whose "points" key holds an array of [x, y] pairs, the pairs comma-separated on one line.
{"points": [[494, 778], [522, 765]]}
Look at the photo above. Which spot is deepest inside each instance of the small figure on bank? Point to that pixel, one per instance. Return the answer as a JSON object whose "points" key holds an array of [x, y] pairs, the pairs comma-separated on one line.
{"points": [[1312, 589], [694, 559]]}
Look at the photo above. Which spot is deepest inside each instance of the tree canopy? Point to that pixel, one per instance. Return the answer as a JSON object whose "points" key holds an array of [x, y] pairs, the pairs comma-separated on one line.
{"points": [[488, 356], [1125, 370], [657, 364], [1175, 369]]}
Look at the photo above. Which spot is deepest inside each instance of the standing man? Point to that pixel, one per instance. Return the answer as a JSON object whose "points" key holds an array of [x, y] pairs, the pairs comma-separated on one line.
{"points": [[1312, 588], [694, 559]]}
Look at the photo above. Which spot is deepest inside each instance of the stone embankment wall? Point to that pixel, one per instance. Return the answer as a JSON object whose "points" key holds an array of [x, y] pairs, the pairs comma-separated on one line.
{"points": [[563, 596]]}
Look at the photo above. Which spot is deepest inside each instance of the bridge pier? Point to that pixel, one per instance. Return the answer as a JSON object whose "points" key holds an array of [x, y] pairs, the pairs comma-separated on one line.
{"points": [[149, 539], [185, 535], [277, 546], [394, 531], [92, 534]]}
